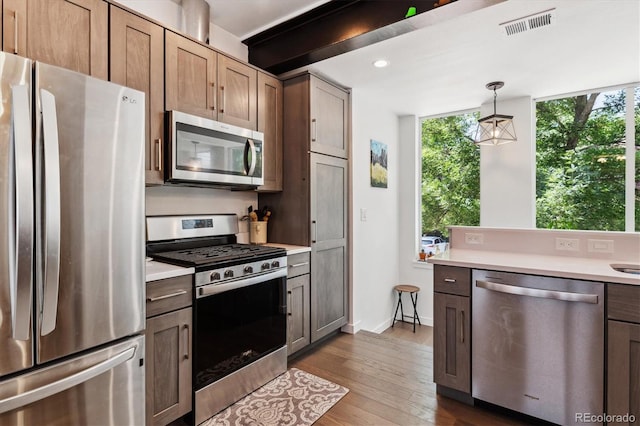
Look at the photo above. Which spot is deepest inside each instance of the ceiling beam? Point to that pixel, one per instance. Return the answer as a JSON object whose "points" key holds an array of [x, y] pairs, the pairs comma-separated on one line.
{"points": [[340, 26]]}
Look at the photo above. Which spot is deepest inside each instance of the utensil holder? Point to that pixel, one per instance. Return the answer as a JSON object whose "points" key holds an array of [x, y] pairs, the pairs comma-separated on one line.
{"points": [[258, 232]]}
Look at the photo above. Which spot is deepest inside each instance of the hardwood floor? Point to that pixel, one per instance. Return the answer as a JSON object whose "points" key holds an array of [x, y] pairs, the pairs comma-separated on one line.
{"points": [[390, 381]]}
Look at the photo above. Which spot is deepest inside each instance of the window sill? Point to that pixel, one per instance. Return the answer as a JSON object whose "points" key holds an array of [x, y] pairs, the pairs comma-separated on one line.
{"points": [[422, 264]]}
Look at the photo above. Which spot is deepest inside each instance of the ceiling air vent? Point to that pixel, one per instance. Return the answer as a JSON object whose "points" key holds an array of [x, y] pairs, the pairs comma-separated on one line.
{"points": [[530, 22]]}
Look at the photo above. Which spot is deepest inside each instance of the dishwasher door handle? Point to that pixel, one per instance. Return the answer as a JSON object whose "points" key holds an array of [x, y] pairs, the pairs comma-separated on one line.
{"points": [[537, 292]]}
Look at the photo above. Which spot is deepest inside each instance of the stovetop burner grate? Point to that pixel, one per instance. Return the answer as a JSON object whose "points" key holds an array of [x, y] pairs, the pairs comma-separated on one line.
{"points": [[211, 255]]}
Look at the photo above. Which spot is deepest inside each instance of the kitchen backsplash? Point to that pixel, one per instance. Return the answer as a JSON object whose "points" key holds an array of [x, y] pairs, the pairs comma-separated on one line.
{"points": [[168, 200]]}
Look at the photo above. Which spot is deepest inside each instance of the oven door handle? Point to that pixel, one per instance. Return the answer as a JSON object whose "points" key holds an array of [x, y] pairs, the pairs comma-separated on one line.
{"points": [[211, 289]]}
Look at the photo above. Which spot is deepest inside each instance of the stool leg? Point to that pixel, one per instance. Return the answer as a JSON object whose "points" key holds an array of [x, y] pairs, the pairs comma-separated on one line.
{"points": [[415, 310], [396, 313], [401, 311]]}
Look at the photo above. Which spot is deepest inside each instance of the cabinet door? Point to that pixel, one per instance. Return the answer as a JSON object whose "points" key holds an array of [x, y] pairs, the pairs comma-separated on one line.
{"points": [[451, 344], [329, 118], [190, 76], [237, 96], [70, 34], [270, 123], [329, 262], [623, 373], [298, 321], [14, 26], [137, 61], [168, 371]]}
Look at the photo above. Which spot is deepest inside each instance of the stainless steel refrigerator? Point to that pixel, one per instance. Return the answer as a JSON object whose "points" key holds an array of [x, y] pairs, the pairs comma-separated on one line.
{"points": [[71, 248]]}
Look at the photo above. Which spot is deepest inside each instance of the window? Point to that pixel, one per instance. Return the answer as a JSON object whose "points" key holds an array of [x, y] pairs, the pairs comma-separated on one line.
{"points": [[450, 174], [583, 144]]}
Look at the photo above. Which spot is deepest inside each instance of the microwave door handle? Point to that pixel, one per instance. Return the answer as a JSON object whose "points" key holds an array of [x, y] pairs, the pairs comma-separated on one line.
{"points": [[20, 212], [250, 168], [51, 212]]}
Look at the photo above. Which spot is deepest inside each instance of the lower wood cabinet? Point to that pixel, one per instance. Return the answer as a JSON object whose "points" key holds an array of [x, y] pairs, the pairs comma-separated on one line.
{"points": [[298, 302], [452, 328], [168, 340], [623, 354]]}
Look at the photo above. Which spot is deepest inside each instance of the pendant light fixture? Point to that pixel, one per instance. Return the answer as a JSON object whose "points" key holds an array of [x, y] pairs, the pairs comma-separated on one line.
{"points": [[495, 129]]}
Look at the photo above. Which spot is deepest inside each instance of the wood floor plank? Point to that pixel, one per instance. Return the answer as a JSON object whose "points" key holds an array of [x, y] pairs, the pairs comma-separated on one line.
{"points": [[390, 382]]}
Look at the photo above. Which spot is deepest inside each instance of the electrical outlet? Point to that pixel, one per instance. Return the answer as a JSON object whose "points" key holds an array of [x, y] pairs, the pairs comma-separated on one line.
{"points": [[567, 244], [363, 215], [599, 246], [473, 238]]}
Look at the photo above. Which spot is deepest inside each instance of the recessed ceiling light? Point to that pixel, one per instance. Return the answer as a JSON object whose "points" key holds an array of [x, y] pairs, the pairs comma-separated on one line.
{"points": [[380, 63]]}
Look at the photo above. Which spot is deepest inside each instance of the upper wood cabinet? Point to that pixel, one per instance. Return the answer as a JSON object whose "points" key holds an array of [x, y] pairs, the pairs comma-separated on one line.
{"points": [[270, 123], [68, 33], [202, 82], [329, 108], [14, 26], [190, 76], [137, 61], [237, 93]]}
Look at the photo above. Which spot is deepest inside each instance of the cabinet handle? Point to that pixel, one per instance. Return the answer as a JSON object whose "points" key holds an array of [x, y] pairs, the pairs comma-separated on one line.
{"points": [[314, 125], [222, 101], [213, 96], [297, 265], [15, 32], [159, 154], [449, 280], [315, 231], [461, 326], [187, 347], [166, 296], [289, 303]]}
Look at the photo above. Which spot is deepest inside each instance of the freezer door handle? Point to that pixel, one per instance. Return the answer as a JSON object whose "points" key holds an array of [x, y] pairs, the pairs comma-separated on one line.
{"points": [[51, 212], [21, 213], [68, 382]]}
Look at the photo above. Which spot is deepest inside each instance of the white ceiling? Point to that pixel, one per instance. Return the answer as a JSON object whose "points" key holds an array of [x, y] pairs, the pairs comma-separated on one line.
{"points": [[444, 68]]}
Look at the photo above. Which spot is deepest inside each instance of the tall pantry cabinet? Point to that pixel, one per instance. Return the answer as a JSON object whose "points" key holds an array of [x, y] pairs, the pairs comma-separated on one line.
{"points": [[312, 209]]}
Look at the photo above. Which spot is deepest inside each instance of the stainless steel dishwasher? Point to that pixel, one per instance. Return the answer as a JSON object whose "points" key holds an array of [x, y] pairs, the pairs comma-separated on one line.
{"points": [[538, 344]]}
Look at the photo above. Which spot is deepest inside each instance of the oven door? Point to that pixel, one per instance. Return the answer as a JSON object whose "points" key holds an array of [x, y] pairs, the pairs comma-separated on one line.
{"points": [[238, 323], [212, 152]]}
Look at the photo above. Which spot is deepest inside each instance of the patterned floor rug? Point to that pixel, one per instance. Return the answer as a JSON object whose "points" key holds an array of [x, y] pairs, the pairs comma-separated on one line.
{"points": [[293, 398]]}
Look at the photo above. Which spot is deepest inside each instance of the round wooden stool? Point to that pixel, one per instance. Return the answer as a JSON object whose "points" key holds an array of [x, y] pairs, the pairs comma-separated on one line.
{"points": [[412, 290]]}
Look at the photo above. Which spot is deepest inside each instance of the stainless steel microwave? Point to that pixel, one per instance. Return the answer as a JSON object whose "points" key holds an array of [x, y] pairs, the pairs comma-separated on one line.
{"points": [[208, 152]]}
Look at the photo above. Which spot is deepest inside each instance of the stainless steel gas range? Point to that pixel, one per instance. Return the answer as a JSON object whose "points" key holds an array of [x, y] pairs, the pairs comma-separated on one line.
{"points": [[240, 322]]}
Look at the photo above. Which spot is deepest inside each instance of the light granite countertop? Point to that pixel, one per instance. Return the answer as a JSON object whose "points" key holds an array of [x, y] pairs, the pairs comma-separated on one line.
{"points": [[291, 249], [159, 271], [553, 266]]}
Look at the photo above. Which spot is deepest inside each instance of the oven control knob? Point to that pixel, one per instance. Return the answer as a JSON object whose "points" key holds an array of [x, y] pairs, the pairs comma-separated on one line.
{"points": [[228, 273], [248, 269], [275, 264], [214, 276], [265, 265]]}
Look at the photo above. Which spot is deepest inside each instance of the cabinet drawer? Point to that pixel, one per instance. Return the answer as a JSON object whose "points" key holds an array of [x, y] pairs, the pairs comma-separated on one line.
{"points": [[623, 302], [298, 264], [168, 295], [452, 280]]}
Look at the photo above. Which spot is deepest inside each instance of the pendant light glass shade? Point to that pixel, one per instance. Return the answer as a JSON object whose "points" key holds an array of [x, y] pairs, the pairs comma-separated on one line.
{"points": [[495, 129]]}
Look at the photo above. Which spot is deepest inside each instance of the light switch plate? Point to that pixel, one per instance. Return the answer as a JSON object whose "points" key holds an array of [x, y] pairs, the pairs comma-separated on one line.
{"points": [[599, 246], [363, 215]]}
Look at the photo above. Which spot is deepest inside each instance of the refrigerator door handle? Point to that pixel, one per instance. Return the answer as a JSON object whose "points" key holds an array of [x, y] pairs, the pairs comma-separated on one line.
{"points": [[51, 212], [21, 213], [68, 382]]}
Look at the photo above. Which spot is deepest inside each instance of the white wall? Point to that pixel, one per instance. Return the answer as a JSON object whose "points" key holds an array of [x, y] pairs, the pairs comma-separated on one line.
{"points": [[167, 200], [507, 172], [411, 270], [169, 14], [375, 241]]}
